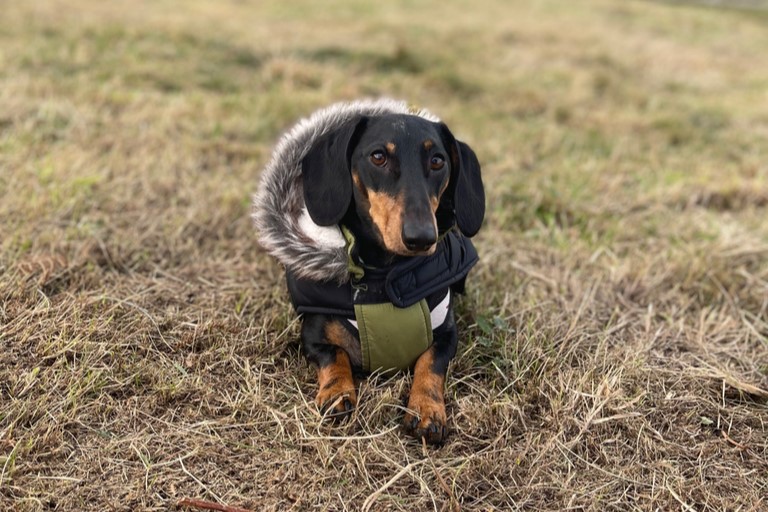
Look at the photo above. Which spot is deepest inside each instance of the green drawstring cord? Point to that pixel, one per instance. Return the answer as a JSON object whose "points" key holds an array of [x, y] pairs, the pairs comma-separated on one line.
{"points": [[356, 271]]}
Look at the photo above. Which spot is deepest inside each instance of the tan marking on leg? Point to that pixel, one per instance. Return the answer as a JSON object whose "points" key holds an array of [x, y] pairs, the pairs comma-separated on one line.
{"points": [[426, 417], [337, 335], [337, 387]]}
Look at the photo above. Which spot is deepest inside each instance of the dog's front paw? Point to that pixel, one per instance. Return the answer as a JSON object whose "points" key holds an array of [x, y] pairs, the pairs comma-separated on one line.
{"points": [[426, 419], [336, 403]]}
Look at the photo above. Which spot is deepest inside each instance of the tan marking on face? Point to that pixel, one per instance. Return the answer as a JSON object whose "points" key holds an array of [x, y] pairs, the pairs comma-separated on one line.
{"points": [[428, 144], [336, 334], [359, 184], [443, 187], [335, 381], [390, 147], [434, 202], [387, 215]]}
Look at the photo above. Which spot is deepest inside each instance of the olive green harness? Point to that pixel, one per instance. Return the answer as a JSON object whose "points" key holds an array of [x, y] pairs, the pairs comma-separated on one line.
{"points": [[393, 338]]}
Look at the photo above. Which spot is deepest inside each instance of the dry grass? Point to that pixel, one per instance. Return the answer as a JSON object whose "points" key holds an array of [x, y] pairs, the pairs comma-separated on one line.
{"points": [[615, 335]]}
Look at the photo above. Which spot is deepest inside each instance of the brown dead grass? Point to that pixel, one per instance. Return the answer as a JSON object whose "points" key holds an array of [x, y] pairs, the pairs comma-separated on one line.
{"points": [[614, 347]]}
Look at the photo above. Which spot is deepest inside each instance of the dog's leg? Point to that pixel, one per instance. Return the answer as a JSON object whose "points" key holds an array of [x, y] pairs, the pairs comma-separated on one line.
{"points": [[323, 340], [426, 416]]}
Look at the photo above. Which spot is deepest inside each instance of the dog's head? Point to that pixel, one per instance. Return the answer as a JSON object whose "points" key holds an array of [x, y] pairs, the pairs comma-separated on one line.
{"points": [[406, 177]]}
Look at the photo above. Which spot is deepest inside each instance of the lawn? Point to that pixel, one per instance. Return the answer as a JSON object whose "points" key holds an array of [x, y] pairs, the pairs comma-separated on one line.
{"points": [[614, 336]]}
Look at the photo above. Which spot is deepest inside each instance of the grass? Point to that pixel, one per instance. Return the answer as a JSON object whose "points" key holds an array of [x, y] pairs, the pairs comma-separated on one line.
{"points": [[614, 349]]}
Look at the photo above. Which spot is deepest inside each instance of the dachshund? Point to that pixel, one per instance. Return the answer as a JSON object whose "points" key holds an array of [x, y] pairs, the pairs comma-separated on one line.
{"points": [[397, 183]]}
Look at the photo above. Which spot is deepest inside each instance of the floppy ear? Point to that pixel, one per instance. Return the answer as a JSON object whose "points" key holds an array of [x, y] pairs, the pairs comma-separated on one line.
{"points": [[326, 174], [464, 199]]}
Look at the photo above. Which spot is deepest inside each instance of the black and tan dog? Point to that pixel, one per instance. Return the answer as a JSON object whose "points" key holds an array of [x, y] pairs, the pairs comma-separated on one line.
{"points": [[406, 195]]}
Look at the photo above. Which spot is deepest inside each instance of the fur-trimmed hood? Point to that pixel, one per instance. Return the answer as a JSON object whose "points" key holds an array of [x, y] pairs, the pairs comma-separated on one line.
{"points": [[285, 228]]}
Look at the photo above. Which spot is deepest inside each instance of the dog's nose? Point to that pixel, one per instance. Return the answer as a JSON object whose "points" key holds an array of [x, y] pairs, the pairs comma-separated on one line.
{"points": [[419, 237]]}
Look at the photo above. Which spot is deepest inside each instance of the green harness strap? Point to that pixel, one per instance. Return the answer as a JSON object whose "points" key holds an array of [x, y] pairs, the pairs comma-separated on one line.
{"points": [[391, 338]]}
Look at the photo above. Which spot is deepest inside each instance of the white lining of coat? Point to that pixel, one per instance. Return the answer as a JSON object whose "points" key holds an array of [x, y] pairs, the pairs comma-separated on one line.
{"points": [[326, 237]]}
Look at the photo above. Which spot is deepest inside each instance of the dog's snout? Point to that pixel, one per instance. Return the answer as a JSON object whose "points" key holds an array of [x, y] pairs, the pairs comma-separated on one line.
{"points": [[419, 237]]}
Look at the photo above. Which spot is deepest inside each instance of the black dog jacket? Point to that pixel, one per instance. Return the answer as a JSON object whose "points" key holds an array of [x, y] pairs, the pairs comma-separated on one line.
{"points": [[392, 307]]}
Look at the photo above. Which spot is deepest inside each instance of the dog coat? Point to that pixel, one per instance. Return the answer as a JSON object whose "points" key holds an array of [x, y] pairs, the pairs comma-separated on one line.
{"points": [[394, 310]]}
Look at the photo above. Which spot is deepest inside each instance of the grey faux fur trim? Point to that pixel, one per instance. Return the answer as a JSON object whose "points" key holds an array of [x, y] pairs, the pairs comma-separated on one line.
{"points": [[279, 202]]}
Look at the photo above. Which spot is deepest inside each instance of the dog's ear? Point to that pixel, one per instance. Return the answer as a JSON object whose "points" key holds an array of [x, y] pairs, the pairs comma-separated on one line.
{"points": [[464, 199], [326, 174]]}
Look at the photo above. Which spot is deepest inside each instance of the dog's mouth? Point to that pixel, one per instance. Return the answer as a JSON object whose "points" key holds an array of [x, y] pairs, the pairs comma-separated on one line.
{"points": [[427, 252], [416, 250]]}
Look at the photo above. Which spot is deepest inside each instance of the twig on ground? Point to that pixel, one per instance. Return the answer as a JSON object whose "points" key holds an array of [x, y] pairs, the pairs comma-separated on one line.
{"points": [[731, 441], [452, 502], [208, 505]]}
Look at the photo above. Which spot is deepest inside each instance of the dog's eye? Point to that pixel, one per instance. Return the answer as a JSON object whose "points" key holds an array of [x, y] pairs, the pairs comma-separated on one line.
{"points": [[437, 162], [379, 158]]}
